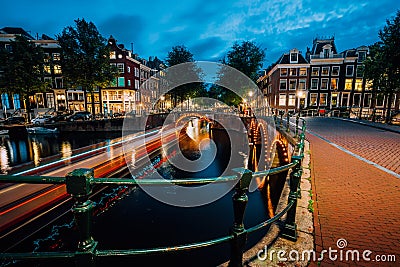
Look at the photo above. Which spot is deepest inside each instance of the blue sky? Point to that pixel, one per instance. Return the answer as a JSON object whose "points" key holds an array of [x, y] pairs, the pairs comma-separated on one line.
{"points": [[209, 28]]}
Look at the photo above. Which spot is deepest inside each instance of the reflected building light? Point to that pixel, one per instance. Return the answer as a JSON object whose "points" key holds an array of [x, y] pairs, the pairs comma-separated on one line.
{"points": [[4, 164], [66, 150], [36, 153]]}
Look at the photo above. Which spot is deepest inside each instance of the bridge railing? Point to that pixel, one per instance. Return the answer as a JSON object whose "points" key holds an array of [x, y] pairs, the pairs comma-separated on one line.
{"points": [[79, 185]]}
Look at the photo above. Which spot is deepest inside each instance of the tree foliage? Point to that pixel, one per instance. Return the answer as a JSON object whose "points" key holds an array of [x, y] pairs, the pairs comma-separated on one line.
{"points": [[178, 55], [245, 57], [382, 68], [85, 57], [22, 71]]}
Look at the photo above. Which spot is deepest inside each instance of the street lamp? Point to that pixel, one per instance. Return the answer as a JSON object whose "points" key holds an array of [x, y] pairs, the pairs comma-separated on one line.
{"points": [[300, 95]]}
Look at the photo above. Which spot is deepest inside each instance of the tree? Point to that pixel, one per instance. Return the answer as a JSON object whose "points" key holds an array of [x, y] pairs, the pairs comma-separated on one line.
{"points": [[85, 58], [382, 68], [178, 55], [245, 57], [22, 69]]}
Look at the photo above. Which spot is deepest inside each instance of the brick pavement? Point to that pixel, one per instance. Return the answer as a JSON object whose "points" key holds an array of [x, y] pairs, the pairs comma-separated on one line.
{"points": [[376, 145], [354, 200]]}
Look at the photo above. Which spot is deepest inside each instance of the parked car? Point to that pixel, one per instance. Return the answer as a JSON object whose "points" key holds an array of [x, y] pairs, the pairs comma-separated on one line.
{"points": [[60, 117], [80, 115], [15, 120], [43, 119]]}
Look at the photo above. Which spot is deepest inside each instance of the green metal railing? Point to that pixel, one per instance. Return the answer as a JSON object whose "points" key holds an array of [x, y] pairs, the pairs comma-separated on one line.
{"points": [[79, 185]]}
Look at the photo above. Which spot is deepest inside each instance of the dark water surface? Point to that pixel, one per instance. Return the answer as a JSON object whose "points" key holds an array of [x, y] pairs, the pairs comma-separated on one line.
{"points": [[128, 218]]}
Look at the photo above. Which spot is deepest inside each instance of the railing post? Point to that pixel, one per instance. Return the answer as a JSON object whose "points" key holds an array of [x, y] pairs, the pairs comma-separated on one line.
{"points": [[281, 113], [297, 125], [290, 229], [240, 200], [287, 122], [78, 185]]}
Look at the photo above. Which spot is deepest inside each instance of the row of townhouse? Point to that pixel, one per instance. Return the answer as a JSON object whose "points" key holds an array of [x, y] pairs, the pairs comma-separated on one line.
{"points": [[323, 80], [123, 95]]}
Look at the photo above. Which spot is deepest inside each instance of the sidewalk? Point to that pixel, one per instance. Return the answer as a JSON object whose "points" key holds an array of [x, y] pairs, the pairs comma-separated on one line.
{"points": [[356, 203]]}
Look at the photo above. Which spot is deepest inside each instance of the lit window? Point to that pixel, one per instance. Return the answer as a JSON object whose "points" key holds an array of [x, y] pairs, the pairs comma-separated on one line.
{"points": [[293, 72], [57, 69], [335, 70], [302, 84], [313, 99], [368, 85], [322, 99], [325, 71], [303, 71], [315, 71], [282, 99], [348, 84], [283, 72], [121, 81], [112, 55], [314, 84], [47, 69], [334, 84], [56, 56], [282, 84], [292, 100], [358, 85]]}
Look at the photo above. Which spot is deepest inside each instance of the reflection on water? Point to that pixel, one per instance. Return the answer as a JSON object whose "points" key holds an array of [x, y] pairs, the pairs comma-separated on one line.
{"points": [[35, 149], [3, 159], [66, 150]]}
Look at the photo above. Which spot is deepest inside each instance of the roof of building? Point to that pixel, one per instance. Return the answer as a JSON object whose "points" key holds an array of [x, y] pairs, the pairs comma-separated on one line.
{"points": [[318, 45], [285, 59], [16, 30]]}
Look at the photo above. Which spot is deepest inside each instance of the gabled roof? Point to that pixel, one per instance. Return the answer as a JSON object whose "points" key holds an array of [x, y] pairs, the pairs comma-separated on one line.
{"points": [[285, 59], [16, 30]]}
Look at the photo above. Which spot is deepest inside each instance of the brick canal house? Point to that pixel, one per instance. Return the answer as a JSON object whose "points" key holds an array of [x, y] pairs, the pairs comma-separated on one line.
{"points": [[324, 81]]}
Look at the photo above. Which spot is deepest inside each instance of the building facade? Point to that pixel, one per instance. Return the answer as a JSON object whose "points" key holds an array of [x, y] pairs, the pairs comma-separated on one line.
{"points": [[123, 95], [285, 84], [324, 81]]}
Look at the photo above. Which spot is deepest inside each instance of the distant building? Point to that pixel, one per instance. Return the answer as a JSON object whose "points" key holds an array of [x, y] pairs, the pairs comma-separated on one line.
{"points": [[325, 80], [51, 100], [285, 84]]}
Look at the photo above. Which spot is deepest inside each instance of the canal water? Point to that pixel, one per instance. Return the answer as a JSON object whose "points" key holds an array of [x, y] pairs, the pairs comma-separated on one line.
{"points": [[128, 218], [25, 151]]}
